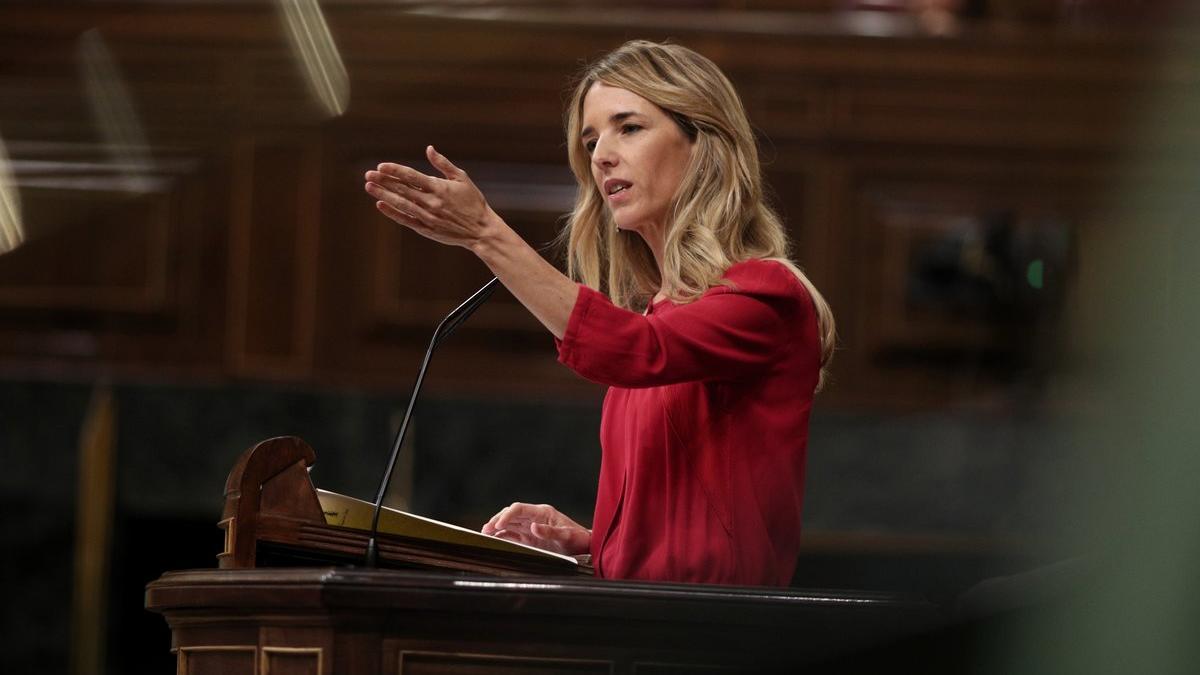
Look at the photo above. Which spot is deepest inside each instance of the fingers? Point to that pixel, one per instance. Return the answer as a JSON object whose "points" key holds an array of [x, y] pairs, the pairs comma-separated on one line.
{"points": [[500, 520], [518, 517], [539, 525], [519, 537], [400, 204], [426, 199], [490, 526], [570, 539], [454, 200], [401, 177], [407, 175], [550, 532], [445, 166], [405, 219]]}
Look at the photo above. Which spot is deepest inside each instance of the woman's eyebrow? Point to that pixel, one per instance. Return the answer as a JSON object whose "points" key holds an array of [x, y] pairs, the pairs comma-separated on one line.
{"points": [[615, 118]]}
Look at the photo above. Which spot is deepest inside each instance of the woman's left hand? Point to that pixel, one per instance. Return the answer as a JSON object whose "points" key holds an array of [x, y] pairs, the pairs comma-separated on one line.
{"points": [[540, 525], [453, 211], [449, 210]]}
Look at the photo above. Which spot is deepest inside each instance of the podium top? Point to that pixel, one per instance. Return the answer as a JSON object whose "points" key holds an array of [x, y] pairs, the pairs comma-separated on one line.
{"points": [[352, 621], [382, 591]]}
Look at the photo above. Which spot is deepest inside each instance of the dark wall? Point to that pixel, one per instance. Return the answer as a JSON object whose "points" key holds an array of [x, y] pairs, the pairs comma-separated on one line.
{"points": [[922, 487]]}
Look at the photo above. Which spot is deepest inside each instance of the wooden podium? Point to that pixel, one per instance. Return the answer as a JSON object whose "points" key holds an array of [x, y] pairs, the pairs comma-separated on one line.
{"points": [[275, 517], [484, 609], [347, 621]]}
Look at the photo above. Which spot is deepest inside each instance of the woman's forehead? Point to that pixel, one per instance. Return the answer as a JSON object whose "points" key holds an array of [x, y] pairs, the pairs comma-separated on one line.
{"points": [[603, 101]]}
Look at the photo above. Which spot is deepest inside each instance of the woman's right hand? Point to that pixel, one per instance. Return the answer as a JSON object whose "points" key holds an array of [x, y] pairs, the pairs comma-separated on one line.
{"points": [[449, 210], [540, 525]]}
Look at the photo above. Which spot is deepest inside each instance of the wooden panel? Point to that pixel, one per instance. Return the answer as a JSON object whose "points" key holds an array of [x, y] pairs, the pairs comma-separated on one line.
{"points": [[961, 280], [427, 623], [264, 259], [444, 663], [276, 211], [424, 92], [92, 252], [216, 660], [791, 108], [796, 195], [1009, 115], [681, 669], [118, 262], [292, 661]]}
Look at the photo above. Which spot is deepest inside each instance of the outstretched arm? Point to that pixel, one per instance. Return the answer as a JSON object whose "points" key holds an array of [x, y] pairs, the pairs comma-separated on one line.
{"points": [[452, 210]]}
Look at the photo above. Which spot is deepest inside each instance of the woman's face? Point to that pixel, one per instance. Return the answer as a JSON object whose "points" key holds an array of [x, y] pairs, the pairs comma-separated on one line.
{"points": [[639, 155]]}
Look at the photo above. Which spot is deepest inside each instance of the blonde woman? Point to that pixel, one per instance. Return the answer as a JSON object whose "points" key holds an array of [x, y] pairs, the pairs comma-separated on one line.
{"points": [[681, 299]]}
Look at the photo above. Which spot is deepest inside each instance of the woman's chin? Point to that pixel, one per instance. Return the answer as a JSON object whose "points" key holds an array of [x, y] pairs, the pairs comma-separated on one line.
{"points": [[628, 224]]}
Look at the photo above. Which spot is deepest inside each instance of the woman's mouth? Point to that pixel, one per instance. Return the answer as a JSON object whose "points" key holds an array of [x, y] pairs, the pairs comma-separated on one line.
{"points": [[615, 189]]}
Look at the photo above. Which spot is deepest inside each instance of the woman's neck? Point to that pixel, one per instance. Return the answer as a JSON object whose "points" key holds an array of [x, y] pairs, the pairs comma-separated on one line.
{"points": [[655, 241]]}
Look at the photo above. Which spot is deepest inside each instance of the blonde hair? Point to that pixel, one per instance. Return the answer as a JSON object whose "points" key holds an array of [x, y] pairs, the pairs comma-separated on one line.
{"points": [[719, 216]]}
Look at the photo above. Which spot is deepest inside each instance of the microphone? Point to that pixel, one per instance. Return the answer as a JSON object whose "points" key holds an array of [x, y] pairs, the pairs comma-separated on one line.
{"points": [[452, 321]]}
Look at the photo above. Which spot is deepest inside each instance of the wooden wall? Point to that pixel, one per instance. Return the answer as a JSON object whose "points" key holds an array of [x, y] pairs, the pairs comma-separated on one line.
{"points": [[248, 250]]}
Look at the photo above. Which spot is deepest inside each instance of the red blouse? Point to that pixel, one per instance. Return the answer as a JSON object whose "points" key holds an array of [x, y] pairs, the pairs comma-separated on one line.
{"points": [[704, 428]]}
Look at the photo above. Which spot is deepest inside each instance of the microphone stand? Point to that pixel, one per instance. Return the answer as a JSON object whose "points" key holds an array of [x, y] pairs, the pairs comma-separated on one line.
{"points": [[452, 321]]}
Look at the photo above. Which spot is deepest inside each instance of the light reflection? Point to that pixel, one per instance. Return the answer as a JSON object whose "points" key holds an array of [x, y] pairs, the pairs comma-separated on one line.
{"points": [[12, 232], [691, 592], [112, 108], [313, 44]]}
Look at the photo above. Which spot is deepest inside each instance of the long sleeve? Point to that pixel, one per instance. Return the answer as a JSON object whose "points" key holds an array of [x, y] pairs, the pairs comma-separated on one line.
{"points": [[730, 332], [704, 431]]}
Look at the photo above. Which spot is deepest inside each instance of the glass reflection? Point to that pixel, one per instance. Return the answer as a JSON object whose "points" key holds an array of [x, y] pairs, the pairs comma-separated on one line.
{"points": [[313, 45], [113, 112], [12, 233]]}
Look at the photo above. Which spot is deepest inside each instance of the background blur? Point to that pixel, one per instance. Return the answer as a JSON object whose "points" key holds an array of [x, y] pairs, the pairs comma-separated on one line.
{"points": [[996, 196]]}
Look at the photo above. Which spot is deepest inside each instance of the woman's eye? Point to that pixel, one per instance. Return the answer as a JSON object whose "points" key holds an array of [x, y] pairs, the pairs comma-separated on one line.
{"points": [[630, 128], [589, 146]]}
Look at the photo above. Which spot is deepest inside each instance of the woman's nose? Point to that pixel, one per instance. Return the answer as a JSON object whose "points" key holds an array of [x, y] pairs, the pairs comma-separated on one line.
{"points": [[602, 154]]}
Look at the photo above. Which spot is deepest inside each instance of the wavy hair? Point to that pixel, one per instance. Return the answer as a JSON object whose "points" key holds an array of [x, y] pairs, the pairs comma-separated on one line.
{"points": [[719, 216]]}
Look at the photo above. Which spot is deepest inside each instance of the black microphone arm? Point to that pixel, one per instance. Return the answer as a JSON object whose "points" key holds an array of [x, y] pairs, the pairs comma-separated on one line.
{"points": [[452, 321]]}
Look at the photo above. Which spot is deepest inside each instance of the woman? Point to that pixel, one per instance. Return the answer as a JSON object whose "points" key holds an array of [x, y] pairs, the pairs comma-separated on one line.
{"points": [[711, 341]]}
